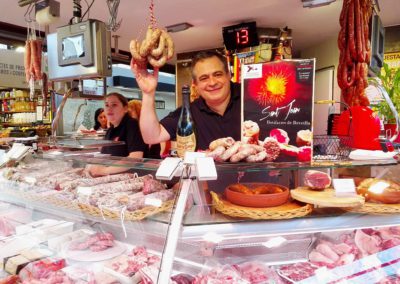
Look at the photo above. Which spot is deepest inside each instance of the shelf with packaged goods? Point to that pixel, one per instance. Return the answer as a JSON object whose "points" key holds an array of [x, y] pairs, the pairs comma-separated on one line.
{"points": [[20, 111], [28, 124], [13, 98]]}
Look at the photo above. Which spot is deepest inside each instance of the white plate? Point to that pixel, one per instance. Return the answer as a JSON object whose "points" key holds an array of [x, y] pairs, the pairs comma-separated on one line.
{"points": [[88, 255]]}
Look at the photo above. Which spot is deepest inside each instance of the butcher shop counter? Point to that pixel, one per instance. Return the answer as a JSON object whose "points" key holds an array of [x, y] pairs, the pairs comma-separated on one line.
{"points": [[297, 241]]}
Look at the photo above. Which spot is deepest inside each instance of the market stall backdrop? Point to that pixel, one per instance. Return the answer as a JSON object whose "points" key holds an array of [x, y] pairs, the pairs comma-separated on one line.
{"points": [[310, 26]]}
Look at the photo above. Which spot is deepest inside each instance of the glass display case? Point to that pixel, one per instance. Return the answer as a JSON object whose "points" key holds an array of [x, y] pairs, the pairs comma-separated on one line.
{"points": [[56, 221]]}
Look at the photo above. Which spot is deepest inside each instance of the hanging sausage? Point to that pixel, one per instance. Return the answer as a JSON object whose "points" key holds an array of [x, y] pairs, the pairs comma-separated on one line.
{"points": [[355, 51], [156, 48]]}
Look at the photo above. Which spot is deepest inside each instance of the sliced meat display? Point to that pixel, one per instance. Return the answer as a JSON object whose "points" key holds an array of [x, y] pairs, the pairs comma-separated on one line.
{"points": [[298, 271], [96, 242], [367, 244], [132, 263], [317, 180], [182, 279]]}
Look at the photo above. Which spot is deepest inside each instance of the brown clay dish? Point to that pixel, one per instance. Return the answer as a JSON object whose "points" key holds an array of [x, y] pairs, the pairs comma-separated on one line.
{"points": [[257, 195]]}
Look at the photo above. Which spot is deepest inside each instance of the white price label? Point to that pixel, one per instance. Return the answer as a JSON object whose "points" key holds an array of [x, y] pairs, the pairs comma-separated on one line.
{"points": [[153, 202], [83, 190], [344, 187], [205, 168], [167, 168], [190, 157]]}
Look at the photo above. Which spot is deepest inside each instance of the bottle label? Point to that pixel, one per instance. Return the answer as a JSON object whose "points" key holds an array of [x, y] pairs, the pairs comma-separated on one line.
{"points": [[185, 143]]}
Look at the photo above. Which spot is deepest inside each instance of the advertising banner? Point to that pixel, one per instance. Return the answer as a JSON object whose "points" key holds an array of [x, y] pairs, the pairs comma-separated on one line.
{"points": [[277, 104]]}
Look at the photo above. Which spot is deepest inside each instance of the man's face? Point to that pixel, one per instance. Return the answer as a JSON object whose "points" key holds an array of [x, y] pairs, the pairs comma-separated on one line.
{"points": [[211, 81]]}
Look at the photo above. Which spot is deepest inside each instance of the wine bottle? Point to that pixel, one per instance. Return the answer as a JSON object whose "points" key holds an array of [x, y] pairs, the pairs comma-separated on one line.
{"points": [[185, 132]]}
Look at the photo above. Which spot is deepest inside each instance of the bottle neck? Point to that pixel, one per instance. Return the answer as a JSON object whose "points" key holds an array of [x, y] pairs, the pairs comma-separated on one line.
{"points": [[185, 100]]}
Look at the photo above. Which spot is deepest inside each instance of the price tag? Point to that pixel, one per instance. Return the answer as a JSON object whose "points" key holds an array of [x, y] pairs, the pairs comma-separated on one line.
{"points": [[167, 168], [153, 202], [205, 168], [190, 157], [82, 190], [344, 187]]}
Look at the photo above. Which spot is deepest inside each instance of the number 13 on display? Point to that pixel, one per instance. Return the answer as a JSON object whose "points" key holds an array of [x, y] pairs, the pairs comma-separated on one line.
{"points": [[242, 36]]}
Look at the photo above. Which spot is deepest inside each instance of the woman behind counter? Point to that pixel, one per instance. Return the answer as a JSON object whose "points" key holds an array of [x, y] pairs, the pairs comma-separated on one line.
{"points": [[122, 128], [100, 120]]}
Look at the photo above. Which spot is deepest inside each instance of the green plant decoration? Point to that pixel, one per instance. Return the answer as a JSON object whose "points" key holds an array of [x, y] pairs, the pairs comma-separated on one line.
{"points": [[390, 80]]}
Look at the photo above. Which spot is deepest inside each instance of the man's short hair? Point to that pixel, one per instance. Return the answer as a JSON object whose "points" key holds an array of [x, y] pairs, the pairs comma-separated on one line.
{"points": [[200, 56]]}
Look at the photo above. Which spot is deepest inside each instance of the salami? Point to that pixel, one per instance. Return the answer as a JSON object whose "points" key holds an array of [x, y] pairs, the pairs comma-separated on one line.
{"points": [[355, 53]]}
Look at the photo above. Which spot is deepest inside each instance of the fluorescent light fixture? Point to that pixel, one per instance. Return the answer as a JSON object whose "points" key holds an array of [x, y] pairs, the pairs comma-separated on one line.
{"points": [[274, 242], [212, 237], [316, 3], [378, 187], [178, 27], [20, 49]]}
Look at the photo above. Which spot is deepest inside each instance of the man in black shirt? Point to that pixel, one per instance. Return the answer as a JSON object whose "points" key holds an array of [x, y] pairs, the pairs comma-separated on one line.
{"points": [[216, 112]]}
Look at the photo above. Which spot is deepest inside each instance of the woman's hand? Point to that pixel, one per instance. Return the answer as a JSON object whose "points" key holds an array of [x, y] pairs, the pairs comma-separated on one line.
{"points": [[146, 81]]}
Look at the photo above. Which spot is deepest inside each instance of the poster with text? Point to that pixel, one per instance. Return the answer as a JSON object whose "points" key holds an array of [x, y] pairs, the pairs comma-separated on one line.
{"points": [[277, 107]]}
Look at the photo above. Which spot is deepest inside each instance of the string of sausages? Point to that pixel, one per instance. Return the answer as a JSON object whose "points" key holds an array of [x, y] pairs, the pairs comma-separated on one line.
{"points": [[33, 59], [157, 47], [355, 51]]}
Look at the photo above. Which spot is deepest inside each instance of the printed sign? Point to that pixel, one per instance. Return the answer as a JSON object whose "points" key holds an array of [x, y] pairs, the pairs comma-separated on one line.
{"points": [[277, 105], [12, 70], [392, 59]]}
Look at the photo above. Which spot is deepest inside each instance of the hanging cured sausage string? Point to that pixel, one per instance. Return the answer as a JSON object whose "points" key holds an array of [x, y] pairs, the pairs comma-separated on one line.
{"points": [[355, 51], [156, 48], [32, 57]]}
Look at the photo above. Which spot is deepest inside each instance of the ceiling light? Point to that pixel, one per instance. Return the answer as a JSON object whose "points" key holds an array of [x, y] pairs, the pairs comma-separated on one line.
{"points": [[178, 27], [20, 49], [316, 3]]}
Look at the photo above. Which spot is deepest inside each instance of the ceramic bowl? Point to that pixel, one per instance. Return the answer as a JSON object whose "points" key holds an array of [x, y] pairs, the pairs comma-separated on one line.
{"points": [[258, 200]]}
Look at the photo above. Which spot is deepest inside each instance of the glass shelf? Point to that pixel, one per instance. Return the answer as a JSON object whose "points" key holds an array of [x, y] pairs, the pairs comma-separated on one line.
{"points": [[261, 167], [198, 222]]}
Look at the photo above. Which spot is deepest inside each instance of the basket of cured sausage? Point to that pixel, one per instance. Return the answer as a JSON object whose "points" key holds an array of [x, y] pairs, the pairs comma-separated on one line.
{"points": [[130, 199], [57, 183]]}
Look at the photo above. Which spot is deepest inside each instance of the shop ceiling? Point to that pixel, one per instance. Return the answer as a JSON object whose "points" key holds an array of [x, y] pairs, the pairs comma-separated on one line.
{"points": [[310, 26]]}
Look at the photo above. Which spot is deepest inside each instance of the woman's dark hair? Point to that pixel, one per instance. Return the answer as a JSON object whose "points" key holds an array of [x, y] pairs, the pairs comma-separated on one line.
{"points": [[120, 97], [202, 55], [96, 115]]}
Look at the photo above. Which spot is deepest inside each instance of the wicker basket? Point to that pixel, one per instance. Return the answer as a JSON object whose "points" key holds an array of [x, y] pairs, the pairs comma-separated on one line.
{"points": [[377, 208], [129, 215], [68, 204], [286, 211], [326, 147]]}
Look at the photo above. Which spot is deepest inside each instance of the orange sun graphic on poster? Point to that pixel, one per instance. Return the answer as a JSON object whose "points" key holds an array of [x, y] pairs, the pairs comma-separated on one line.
{"points": [[273, 90]]}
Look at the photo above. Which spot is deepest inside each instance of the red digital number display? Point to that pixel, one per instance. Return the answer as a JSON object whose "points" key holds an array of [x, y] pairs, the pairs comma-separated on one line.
{"points": [[242, 36]]}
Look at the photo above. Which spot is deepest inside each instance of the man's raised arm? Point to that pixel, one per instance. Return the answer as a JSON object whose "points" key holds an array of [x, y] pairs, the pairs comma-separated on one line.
{"points": [[152, 131]]}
